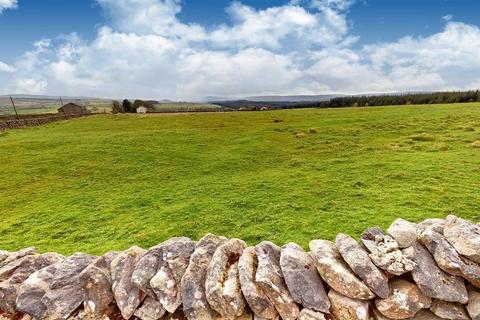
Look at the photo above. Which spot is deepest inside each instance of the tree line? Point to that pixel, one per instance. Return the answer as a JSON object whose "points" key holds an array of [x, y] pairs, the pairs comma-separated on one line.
{"points": [[404, 99], [361, 101], [128, 107]]}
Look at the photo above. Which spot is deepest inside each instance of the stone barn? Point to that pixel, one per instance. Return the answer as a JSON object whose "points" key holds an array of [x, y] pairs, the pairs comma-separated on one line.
{"points": [[72, 108]]}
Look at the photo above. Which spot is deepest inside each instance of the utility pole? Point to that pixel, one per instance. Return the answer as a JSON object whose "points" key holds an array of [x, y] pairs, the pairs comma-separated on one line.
{"points": [[61, 101], [14, 108]]}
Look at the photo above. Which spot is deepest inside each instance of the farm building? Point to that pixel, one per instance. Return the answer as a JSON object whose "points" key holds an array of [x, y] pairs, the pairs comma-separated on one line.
{"points": [[142, 109], [72, 108]]}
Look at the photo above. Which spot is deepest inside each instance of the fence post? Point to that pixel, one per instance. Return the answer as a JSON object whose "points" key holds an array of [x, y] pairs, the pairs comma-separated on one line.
{"points": [[14, 108]]}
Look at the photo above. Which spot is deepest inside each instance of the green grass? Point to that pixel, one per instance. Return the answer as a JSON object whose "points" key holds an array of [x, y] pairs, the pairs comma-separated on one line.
{"points": [[39, 106], [107, 182]]}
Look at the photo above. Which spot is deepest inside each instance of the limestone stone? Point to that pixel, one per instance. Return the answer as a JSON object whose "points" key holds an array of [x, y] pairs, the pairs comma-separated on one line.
{"points": [[82, 315], [16, 272], [222, 284], [253, 293], [473, 306], [377, 315], [96, 281], [309, 314], [358, 260], [65, 293], [177, 315], [346, 308], [269, 278], [425, 315], [436, 224], [195, 305], [464, 236], [15, 316], [404, 232], [447, 258], [404, 302], [386, 254], [4, 255], [335, 271], [17, 255], [127, 295], [146, 268], [112, 314], [371, 237], [247, 315], [151, 309], [433, 281], [302, 278], [449, 310], [174, 260], [32, 290]]}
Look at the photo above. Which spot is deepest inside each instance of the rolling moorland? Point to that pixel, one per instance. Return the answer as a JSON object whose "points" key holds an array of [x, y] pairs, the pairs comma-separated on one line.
{"points": [[110, 181]]}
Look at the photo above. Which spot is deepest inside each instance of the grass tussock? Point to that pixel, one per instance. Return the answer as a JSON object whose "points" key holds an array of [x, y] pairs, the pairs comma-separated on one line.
{"points": [[423, 137]]}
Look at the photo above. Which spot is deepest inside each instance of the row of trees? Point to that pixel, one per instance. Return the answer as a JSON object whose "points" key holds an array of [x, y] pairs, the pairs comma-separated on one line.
{"points": [[404, 99], [361, 101], [128, 107]]}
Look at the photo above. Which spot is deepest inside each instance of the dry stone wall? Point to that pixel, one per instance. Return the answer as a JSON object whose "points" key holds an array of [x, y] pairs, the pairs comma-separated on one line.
{"points": [[21, 121], [429, 270]]}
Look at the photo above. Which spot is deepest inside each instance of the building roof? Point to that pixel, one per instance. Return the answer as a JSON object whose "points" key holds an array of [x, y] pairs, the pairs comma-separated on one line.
{"points": [[73, 107]]}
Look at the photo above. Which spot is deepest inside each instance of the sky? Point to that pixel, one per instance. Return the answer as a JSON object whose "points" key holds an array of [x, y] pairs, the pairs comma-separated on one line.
{"points": [[191, 49]]}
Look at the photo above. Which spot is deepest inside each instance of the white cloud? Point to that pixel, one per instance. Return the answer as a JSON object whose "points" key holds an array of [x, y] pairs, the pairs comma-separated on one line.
{"points": [[446, 60], [266, 28], [150, 17], [31, 86], [332, 4], [6, 68], [249, 71], [8, 4], [299, 48]]}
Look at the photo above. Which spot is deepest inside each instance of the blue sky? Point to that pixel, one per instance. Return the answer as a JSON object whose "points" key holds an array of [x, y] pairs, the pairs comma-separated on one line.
{"points": [[49, 46]]}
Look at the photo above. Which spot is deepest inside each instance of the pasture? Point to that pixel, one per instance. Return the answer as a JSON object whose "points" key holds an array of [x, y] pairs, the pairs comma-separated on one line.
{"points": [[40, 105], [185, 107], [107, 182]]}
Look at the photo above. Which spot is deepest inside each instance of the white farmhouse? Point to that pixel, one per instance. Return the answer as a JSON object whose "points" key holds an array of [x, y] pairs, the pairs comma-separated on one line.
{"points": [[142, 109]]}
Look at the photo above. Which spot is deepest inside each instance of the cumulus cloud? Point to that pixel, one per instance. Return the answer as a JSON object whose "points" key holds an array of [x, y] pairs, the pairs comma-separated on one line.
{"points": [[302, 47], [7, 4], [6, 68], [157, 17], [446, 60], [332, 4]]}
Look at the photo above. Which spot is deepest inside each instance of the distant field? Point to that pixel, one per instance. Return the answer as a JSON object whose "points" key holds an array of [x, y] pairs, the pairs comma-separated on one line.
{"points": [[184, 106], [110, 181], [37, 106]]}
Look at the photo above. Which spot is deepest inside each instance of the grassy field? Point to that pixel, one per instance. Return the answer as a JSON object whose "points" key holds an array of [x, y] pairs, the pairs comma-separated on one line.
{"points": [[184, 106], [38, 106], [107, 182]]}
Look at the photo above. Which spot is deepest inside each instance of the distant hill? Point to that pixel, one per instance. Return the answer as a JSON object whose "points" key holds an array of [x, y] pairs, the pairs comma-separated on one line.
{"points": [[34, 104], [277, 98], [293, 98]]}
